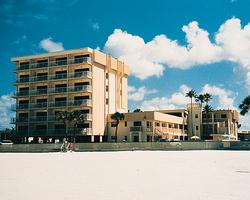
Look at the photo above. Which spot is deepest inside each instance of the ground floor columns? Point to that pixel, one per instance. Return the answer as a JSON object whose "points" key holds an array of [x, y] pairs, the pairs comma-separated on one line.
{"points": [[100, 138]]}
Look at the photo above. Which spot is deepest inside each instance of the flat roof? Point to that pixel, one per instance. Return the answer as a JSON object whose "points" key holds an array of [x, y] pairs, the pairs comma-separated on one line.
{"points": [[57, 53]]}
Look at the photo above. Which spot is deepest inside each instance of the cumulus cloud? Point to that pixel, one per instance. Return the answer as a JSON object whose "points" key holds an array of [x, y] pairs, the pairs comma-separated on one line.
{"points": [[50, 46], [138, 94], [225, 97], [222, 99], [95, 26], [174, 101], [5, 111], [232, 43]]}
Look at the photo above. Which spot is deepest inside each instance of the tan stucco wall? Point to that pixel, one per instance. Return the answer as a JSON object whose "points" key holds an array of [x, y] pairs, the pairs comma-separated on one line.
{"points": [[98, 100]]}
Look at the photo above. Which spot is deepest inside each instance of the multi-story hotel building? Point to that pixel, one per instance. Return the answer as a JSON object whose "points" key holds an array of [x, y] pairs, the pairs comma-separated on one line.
{"points": [[82, 79], [212, 125], [150, 126]]}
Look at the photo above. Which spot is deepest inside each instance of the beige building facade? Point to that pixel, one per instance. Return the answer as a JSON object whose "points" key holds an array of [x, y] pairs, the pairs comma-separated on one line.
{"points": [[214, 125], [148, 126], [86, 80]]}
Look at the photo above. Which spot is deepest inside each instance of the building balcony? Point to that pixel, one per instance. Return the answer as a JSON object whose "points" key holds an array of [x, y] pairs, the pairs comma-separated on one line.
{"points": [[55, 132], [23, 80], [51, 118], [21, 93], [82, 88], [46, 78], [19, 119], [51, 104], [136, 128], [70, 89], [19, 106], [55, 63]]}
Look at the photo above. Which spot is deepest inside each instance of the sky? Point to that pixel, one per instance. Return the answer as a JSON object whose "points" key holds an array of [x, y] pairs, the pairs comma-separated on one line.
{"points": [[171, 46]]}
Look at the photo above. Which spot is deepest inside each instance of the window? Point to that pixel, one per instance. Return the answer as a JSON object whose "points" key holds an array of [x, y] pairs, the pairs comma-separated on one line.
{"points": [[107, 101], [137, 123], [24, 65], [107, 88], [149, 123], [223, 116], [41, 76], [80, 59], [197, 128], [157, 124], [24, 78], [107, 75], [61, 61], [42, 63], [125, 124], [113, 124], [196, 116]]}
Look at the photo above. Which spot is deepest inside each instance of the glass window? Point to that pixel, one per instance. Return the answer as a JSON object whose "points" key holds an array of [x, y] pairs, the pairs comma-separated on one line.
{"points": [[223, 116], [137, 123]]}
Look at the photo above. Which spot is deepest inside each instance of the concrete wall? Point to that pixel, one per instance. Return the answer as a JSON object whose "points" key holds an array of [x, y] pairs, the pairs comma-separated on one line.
{"points": [[98, 96], [161, 146]]}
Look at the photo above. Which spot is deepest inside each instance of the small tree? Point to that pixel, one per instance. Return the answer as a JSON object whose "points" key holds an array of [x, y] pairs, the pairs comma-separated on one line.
{"points": [[78, 117], [117, 117], [245, 105], [207, 98], [66, 117], [137, 110], [191, 94], [207, 109]]}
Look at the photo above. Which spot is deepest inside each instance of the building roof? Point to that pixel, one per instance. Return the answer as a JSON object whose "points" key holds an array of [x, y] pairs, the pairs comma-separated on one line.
{"points": [[57, 53], [150, 115]]}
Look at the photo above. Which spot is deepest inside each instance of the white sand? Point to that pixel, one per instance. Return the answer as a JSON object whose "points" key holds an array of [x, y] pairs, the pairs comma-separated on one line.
{"points": [[185, 175]]}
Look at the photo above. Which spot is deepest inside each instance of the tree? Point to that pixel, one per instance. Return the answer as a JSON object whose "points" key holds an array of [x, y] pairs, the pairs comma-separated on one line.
{"points": [[200, 98], [245, 105], [137, 110], [78, 117], [66, 117], [191, 94], [207, 109], [207, 98], [117, 117]]}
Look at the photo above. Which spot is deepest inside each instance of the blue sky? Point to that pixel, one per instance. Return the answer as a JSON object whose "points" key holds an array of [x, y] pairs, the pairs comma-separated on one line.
{"points": [[220, 69]]}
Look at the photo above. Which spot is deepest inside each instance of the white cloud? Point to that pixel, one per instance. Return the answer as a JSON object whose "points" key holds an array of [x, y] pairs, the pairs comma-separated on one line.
{"points": [[176, 100], [5, 111], [232, 43], [49, 45], [244, 121], [138, 94], [225, 97], [222, 99], [95, 26]]}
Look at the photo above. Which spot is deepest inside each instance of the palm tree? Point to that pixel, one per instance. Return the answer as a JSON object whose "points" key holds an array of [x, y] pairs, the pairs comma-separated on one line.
{"points": [[137, 110], [207, 109], [66, 117], [78, 117], [245, 105], [200, 98], [191, 94], [117, 117], [207, 98]]}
